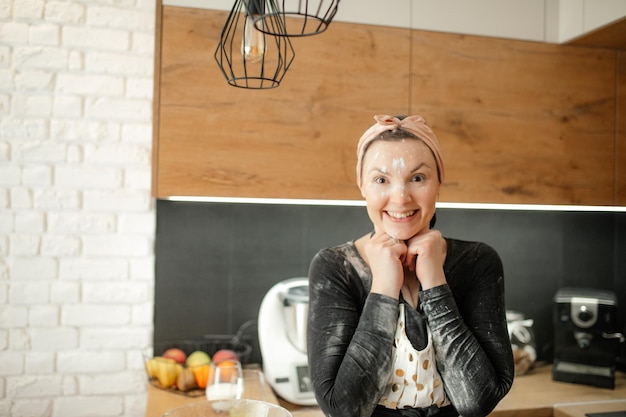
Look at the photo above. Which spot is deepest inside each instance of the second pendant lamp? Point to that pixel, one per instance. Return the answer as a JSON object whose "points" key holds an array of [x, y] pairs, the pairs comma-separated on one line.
{"points": [[300, 17]]}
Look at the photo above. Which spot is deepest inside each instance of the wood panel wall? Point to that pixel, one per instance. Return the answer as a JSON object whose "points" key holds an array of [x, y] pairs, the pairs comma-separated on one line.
{"points": [[620, 134], [519, 122]]}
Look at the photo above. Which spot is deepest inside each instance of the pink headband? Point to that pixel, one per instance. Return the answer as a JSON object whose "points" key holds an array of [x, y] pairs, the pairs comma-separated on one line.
{"points": [[413, 124]]}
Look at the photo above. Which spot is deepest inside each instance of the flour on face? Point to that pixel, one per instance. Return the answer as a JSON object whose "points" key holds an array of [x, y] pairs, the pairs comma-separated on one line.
{"points": [[398, 164]]}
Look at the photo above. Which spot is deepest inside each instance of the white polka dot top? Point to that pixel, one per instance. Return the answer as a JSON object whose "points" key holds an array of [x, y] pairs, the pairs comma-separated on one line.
{"points": [[414, 381]]}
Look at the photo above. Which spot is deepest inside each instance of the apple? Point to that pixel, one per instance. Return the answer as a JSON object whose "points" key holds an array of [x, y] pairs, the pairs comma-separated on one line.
{"points": [[198, 358], [225, 355], [177, 354]]}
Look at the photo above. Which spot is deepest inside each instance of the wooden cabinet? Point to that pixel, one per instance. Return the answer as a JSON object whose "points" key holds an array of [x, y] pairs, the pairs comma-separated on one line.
{"points": [[620, 132], [294, 141], [519, 122]]}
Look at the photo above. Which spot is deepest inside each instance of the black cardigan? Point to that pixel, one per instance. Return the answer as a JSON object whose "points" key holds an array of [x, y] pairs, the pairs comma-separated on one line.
{"points": [[350, 333]]}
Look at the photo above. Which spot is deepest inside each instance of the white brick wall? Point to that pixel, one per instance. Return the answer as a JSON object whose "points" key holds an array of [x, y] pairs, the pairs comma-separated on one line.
{"points": [[77, 221]]}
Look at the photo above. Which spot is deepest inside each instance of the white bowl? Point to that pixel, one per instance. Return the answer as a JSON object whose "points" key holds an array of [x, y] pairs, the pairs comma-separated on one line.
{"points": [[238, 408]]}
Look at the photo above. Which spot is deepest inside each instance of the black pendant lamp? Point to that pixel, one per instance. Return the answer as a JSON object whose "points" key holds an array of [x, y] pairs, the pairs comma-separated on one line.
{"points": [[250, 57], [300, 17]]}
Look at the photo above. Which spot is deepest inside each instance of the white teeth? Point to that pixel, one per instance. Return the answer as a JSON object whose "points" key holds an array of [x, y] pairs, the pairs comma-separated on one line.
{"points": [[401, 215]]}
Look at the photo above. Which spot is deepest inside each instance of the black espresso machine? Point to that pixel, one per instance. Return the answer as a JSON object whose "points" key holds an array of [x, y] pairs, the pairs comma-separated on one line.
{"points": [[587, 342]]}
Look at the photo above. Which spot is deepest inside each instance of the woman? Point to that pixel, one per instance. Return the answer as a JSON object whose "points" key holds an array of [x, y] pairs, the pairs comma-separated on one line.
{"points": [[402, 321]]}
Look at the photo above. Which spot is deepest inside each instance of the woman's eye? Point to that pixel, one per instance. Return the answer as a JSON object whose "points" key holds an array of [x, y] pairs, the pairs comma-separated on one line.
{"points": [[418, 178], [380, 180]]}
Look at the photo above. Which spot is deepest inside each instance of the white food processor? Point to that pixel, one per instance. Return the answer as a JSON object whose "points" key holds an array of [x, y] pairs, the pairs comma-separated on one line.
{"points": [[282, 325]]}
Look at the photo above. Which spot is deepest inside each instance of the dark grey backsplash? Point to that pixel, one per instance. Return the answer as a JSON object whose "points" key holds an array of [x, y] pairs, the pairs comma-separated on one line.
{"points": [[216, 261]]}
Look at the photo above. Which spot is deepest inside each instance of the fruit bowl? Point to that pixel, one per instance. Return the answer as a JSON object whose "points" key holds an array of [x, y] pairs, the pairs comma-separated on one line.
{"points": [[208, 344], [182, 366], [164, 373]]}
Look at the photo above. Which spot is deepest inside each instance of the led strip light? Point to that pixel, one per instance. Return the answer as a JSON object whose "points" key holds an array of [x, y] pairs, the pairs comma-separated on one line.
{"points": [[361, 203]]}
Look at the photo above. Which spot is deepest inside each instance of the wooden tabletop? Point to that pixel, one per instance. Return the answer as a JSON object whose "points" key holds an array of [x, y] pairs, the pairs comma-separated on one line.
{"points": [[582, 409], [536, 394], [532, 395], [159, 400]]}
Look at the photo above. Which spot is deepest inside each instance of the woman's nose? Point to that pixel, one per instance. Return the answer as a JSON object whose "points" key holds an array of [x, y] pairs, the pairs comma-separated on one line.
{"points": [[399, 192]]}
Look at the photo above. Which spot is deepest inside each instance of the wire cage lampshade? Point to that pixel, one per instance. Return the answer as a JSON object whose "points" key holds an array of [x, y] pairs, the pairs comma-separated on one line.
{"points": [[300, 17], [248, 57]]}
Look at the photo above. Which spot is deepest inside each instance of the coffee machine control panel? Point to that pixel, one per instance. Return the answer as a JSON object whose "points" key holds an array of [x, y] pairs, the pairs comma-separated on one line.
{"points": [[587, 313], [584, 312]]}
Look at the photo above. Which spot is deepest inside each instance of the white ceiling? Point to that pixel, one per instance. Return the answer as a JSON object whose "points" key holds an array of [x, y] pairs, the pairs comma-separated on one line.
{"points": [[553, 21]]}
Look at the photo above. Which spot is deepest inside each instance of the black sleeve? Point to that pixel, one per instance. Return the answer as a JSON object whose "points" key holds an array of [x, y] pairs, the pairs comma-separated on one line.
{"points": [[349, 341], [471, 339]]}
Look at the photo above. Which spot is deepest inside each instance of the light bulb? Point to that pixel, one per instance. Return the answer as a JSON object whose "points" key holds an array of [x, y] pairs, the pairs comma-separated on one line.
{"points": [[253, 43]]}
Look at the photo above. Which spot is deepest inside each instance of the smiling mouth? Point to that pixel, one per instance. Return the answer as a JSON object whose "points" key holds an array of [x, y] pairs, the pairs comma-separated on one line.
{"points": [[400, 216]]}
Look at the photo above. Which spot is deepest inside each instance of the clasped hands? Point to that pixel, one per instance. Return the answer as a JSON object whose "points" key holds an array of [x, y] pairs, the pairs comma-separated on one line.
{"points": [[395, 263]]}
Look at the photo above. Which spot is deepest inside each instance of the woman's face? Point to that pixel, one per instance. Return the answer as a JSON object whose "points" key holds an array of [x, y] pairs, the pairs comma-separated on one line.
{"points": [[400, 185]]}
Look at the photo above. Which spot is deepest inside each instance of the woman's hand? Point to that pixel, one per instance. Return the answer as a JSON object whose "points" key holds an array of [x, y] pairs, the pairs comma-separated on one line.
{"points": [[386, 260], [425, 255]]}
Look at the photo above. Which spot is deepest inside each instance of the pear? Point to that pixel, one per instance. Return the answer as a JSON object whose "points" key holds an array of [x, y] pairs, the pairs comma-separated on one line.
{"points": [[185, 380], [198, 358]]}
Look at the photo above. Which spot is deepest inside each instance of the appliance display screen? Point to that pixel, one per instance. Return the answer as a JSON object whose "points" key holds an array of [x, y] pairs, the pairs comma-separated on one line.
{"points": [[304, 380]]}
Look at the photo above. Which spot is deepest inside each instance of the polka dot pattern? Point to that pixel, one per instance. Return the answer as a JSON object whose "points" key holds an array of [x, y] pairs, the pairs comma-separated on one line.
{"points": [[415, 381]]}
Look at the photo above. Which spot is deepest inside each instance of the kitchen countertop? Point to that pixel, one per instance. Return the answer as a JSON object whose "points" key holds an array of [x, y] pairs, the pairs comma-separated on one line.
{"points": [[536, 394], [581, 409], [532, 395]]}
